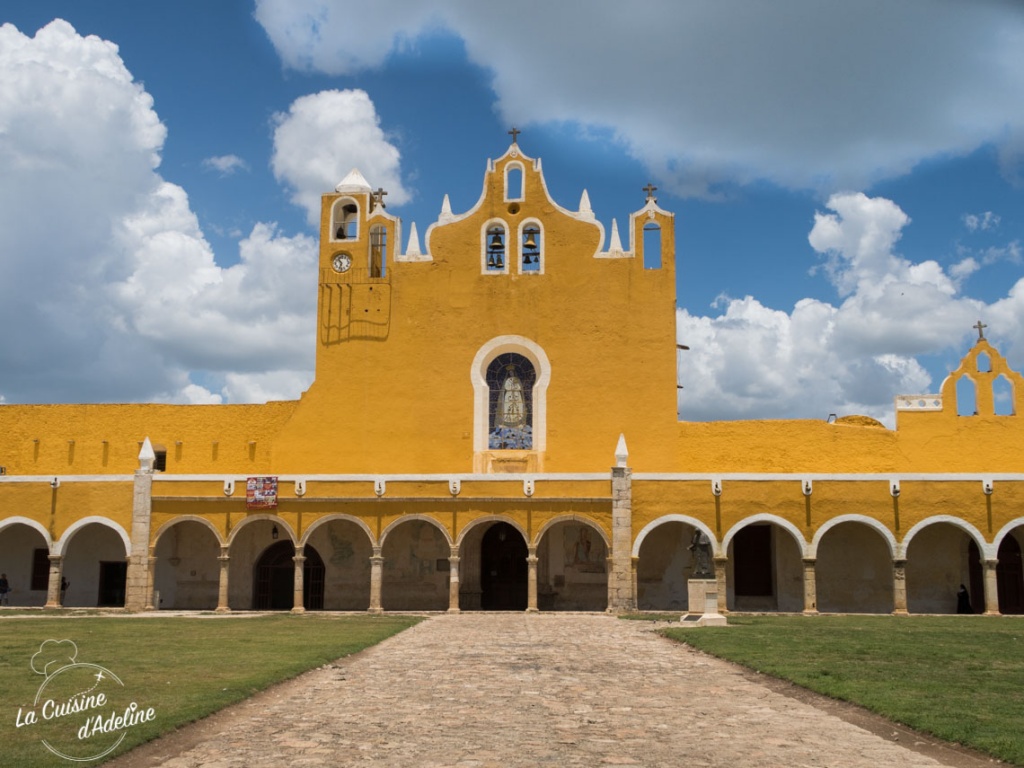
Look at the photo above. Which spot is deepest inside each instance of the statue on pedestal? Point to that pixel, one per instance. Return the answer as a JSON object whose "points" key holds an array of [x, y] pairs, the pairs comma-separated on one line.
{"points": [[700, 545]]}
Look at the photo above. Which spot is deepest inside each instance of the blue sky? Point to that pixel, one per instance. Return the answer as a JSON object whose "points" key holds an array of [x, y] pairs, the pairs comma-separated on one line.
{"points": [[847, 177]]}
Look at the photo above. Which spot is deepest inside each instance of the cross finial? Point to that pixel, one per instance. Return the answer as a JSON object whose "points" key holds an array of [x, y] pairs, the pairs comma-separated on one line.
{"points": [[650, 189], [981, 330], [514, 133], [378, 197]]}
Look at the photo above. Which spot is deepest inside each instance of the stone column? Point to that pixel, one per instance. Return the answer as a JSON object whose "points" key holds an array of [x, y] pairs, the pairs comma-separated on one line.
{"points": [[152, 604], [991, 588], [136, 597], [54, 599], [453, 581], [222, 586], [810, 586], [899, 587], [635, 566], [620, 575], [376, 580], [721, 574], [298, 602], [531, 580]]}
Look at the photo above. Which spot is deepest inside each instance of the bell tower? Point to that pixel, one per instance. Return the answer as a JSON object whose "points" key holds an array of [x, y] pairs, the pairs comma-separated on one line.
{"points": [[358, 243]]}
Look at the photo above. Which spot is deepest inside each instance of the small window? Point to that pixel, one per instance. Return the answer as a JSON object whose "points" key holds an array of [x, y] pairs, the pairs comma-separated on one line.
{"points": [[40, 570], [532, 249], [513, 182], [652, 246], [160, 463], [345, 220], [378, 251], [495, 249]]}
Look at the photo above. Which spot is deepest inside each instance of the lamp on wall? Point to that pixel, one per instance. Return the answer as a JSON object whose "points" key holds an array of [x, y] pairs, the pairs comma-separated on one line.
{"points": [[273, 533]]}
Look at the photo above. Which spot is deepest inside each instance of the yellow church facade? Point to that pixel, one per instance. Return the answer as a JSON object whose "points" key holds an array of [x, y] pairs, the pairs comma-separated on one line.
{"points": [[493, 426]]}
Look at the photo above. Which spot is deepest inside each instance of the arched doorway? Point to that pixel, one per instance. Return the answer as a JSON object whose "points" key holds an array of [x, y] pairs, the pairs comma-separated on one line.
{"points": [[503, 569], [938, 562], [274, 579], [853, 573], [765, 570], [1010, 577]]}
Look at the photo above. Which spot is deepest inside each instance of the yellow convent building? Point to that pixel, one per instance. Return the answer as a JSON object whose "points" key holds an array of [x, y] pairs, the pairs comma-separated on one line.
{"points": [[493, 425]]}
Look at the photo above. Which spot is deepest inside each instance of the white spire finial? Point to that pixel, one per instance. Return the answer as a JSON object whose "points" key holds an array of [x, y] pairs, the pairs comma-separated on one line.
{"points": [[147, 456], [354, 182], [615, 244], [446, 210], [414, 242], [621, 452]]}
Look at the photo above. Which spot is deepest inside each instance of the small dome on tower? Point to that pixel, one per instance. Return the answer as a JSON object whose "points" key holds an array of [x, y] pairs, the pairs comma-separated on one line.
{"points": [[354, 182]]}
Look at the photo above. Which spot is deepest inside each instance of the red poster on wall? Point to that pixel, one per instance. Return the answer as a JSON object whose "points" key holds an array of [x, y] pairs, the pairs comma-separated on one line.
{"points": [[261, 493]]}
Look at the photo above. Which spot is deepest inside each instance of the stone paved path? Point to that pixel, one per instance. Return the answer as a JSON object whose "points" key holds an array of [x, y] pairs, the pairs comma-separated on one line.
{"points": [[506, 690]]}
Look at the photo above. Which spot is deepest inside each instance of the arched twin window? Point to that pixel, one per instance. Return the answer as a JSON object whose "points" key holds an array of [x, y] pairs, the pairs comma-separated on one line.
{"points": [[510, 379]]}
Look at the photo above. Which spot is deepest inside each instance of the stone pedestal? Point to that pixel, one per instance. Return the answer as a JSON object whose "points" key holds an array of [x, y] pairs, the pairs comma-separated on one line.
{"points": [[696, 591]]}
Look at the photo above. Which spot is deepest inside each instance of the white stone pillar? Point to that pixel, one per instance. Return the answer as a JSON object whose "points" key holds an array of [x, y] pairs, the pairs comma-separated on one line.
{"points": [[721, 580], [376, 580], [151, 601], [899, 587], [137, 580], [620, 575], [298, 602], [531, 580], [810, 586], [453, 581], [991, 588], [54, 599], [222, 586]]}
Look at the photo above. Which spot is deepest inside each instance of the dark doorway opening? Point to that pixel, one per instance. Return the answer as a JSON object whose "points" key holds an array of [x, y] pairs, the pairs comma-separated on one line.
{"points": [[503, 569], [752, 555], [274, 579], [1010, 577], [113, 578]]}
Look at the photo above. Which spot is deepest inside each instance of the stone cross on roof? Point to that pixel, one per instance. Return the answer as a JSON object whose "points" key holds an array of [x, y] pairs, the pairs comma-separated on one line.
{"points": [[981, 330], [514, 133], [378, 197], [650, 189]]}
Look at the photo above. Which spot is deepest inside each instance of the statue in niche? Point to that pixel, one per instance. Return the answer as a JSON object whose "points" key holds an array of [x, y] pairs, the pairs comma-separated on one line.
{"points": [[700, 545], [511, 403]]}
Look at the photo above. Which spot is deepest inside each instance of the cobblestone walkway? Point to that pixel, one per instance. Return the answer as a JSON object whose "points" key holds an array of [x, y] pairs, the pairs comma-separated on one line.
{"points": [[524, 690]]}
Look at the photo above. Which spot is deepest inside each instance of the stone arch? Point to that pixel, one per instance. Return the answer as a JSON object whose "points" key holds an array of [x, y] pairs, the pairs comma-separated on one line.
{"points": [[34, 525], [764, 571], [885, 533], [347, 545], [489, 519], [481, 393], [409, 518], [854, 566], [96, 570], [988, 551], [1005, 531], [938, 558], [665, 562], [572, 567], [252, 519], [765, 517], [71, 530], [185, 519], [416, 551], [25, 547], [675, 518], [571, 518], [186, 575], [338, 516]]}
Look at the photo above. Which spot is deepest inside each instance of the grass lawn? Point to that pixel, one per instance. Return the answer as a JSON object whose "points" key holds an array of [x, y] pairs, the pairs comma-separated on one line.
{"points": [[959, 678], [184, 668]]}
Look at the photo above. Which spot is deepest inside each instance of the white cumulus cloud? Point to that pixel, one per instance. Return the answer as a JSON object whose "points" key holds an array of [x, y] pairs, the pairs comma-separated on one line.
{"points": [[225, 165], [322, 137], [804, 94]]}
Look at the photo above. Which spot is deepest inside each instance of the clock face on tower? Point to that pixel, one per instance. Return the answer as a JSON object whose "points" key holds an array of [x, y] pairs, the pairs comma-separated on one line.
{"points": [[341, 262]]}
